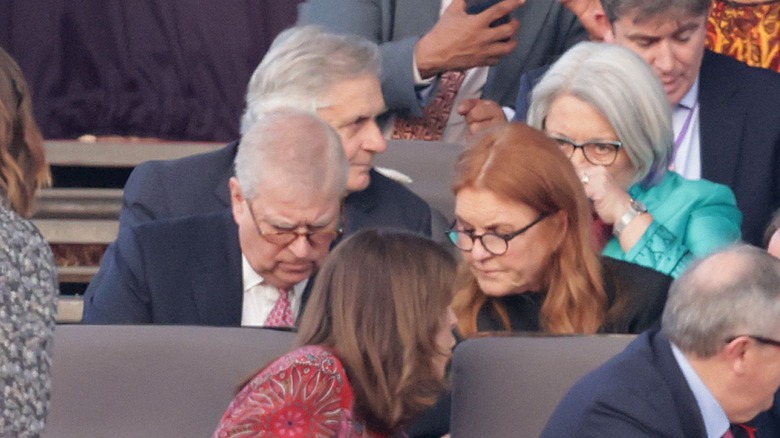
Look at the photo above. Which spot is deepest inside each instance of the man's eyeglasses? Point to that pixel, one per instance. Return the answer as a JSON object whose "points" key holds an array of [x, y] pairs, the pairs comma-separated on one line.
{"points": [[599, 153], [759, 339], [494, 243], [317, 238]]}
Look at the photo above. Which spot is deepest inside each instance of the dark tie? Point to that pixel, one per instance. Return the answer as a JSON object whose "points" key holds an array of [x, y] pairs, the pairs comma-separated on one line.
{"points": [[435, 115], [739, 430]]}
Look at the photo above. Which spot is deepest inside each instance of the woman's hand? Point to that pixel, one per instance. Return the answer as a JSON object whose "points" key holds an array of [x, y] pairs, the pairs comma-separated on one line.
{"points": [[610, 201]]}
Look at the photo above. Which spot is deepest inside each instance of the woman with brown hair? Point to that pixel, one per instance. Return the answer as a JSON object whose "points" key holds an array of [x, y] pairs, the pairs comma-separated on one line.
{"points": [[23, 168], [523, 224], [374, 342]]}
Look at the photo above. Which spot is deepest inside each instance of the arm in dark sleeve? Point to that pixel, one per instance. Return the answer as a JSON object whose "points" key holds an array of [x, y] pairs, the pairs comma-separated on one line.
{"points": [[118, 294], [144, 197], [370, 19]]}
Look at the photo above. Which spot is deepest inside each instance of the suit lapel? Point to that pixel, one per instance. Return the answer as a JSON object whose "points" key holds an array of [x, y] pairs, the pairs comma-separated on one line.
{"points": [[411, 18], [721, 120], [685, 405], [501, 78], [217, 283]]}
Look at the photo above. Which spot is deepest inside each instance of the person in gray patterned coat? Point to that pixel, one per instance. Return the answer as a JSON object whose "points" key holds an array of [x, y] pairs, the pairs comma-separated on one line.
{"points": [[28, 302], [28, 275]]}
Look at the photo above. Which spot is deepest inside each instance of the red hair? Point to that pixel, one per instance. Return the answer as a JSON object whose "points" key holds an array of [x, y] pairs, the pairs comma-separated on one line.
{"points": [[521, 165]]}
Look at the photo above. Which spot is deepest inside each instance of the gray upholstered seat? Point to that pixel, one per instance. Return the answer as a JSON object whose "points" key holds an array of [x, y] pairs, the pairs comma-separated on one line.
{"points": [[151, 381], [509, 386]]}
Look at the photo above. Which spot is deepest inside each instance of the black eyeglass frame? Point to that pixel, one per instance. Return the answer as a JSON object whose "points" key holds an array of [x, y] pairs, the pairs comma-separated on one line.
{"points": [[288, 237], [617, 144], [759, 339], [452, 235]]}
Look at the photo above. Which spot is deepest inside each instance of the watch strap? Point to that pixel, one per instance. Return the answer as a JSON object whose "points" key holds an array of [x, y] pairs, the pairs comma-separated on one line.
{"points": [[635, 209]]}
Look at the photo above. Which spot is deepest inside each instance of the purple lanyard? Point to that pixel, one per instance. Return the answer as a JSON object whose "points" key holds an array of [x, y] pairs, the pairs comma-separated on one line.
{"points": [[683, 131]]}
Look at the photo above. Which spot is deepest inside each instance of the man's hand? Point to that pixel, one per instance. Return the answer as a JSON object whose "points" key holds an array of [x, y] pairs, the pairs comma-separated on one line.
{"points": [[481, 114], [459, 41]]}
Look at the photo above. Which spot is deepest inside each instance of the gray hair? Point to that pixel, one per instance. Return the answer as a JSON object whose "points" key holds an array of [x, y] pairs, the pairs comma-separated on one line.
{"points": [[622, 87], [294, 149], [645, 9], [301, 66], [732, 292]]}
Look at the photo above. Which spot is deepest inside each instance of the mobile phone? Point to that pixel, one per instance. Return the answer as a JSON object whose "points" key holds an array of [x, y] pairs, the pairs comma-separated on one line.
{"points": [[477, 6]]}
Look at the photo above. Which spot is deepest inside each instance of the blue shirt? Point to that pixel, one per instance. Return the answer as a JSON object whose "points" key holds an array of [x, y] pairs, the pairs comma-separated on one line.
{"points": [[715, 419]]}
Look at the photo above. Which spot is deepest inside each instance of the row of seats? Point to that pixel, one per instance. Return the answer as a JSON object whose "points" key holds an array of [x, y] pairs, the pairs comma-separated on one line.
{"points": [[133, 381]]}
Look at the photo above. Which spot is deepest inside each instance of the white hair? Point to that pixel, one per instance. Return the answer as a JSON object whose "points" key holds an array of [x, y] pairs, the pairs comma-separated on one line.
{"points": [[302, 65], [294, 149], [623, 88]]}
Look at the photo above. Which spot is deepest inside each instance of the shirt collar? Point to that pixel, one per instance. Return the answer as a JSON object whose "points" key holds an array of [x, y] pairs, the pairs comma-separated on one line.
{"points": [[691, 97], [251, 278], [715, 420]]}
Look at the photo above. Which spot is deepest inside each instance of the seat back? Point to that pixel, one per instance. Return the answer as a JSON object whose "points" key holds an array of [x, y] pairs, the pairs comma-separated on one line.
{"points": [[431, 167], [144, 381], [509, 386]]}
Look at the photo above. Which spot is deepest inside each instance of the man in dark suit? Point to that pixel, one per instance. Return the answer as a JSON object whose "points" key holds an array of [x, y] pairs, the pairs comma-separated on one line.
{"points": [[306, 68], [714, 364], [223, 269], [725, 114], [420, 40]]}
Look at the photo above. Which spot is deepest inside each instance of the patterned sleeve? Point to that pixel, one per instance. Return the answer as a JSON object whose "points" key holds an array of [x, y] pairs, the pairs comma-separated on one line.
{"points": [[304, 393], [28, 302]]}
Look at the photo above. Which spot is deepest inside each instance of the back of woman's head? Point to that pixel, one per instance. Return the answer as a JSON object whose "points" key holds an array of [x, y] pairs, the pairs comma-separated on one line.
{"points": [[520, 164], [379, 302], [621, 86], [23, 167]]}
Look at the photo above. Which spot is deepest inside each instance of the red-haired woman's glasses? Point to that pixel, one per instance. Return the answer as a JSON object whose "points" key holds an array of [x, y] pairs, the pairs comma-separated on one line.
{"points": [[494, 243]]}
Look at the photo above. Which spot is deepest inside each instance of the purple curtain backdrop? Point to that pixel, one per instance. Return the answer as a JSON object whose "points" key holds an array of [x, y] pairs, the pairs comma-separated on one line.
{"points": [[173, 69]]}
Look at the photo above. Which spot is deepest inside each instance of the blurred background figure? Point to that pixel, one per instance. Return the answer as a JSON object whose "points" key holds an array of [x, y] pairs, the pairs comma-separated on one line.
{"points": [[28, 276], [748, 30], [608, 113], [374, 342], [523, 224]]}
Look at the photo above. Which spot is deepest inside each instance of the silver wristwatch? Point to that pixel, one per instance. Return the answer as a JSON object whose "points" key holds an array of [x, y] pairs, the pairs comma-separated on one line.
{"points": [[634, 209]]}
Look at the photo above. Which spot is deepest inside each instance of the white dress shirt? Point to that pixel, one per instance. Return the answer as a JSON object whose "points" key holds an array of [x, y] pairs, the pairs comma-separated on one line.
{"points": [[260, 297], [687, 158]]}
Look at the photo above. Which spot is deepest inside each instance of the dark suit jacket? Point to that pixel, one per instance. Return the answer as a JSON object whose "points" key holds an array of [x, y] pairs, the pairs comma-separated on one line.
{"points": [[199, 184], [739, 124], [639, 393], [547, 29], [175, 271]]}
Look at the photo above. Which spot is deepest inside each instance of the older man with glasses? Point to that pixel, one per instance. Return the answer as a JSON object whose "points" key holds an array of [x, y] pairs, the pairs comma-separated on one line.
{"points": [[251, 267], [714, 365]]}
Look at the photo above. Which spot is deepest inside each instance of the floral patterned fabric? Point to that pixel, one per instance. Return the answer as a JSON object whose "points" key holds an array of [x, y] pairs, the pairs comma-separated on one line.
{"points": [[28, 304], [747, 32], [304, 393]]}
